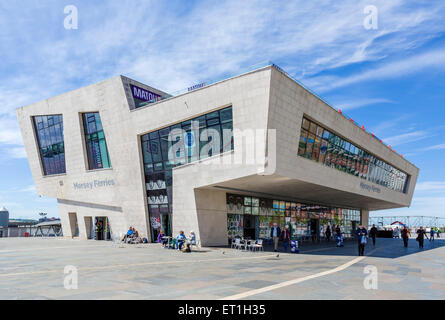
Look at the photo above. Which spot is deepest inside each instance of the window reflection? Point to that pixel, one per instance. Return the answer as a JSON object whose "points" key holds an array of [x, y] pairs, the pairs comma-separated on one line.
{"points": [[49, 132], [318, 144], [96, 145], [158, 167]]}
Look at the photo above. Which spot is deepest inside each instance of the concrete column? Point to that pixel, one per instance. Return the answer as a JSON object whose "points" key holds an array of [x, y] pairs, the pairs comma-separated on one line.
{"points": [[364, 218], [211, 210]]}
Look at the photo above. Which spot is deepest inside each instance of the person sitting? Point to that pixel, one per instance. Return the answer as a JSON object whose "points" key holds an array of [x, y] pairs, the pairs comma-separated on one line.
{"points": [[135, 238], [162, 238], [180, 239], [192, 238], [128, 235]]}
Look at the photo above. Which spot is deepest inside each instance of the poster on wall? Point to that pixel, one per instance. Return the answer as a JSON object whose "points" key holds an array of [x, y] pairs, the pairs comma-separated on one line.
{"points": [[155, 222]]}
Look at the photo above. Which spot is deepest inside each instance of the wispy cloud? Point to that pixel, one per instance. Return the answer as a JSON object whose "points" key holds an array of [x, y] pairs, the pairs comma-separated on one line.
{"points": [[436, 147], [434, 59], [407, 137], [435, 186], [358, 103], [17, 152]]}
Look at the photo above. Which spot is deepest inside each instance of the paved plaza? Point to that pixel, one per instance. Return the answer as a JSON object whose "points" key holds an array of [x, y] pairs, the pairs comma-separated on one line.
{"points": [[33, 268]]}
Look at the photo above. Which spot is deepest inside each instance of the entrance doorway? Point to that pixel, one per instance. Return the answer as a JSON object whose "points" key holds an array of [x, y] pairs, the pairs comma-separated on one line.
{"points": [[73, 224], [102, 229], [315, 230], [89, 227], [249, 227], [353, 227], [165, 224]]}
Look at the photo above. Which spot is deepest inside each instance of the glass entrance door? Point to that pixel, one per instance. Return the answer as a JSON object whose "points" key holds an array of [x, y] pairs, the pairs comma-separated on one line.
{"points": [[165, 224], [249, 227]]}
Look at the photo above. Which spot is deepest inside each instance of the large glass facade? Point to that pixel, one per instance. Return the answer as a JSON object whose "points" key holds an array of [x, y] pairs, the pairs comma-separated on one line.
{"points": [[158, 167], [321, 145], [95, 143], [253, 217], [49, 132]]}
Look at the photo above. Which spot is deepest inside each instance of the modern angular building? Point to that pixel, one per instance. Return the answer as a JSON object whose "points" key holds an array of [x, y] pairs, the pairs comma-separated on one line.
{"points": [[223, 160]]}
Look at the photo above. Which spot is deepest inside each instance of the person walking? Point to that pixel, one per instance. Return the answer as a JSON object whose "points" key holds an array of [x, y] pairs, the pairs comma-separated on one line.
{"points": [[405, 236], [438, 232], [373, 234], [99, 229], [421, 234], [275, 233], [432, 232], [328, 233], [285, 237], [397, 233], [338, 231], [361, 234]]}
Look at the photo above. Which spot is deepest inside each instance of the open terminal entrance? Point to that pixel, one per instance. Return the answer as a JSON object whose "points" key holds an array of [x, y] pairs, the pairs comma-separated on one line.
{"points": [[315, 230], [102, 229], [249, 227]]}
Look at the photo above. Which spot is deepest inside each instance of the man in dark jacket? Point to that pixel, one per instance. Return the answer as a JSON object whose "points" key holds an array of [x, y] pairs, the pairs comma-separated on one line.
{"points": [[373, 234], [328, 233], [275, 233], [405, 236], [338, 231], [285, 237], [421, 234], [361, 234]]}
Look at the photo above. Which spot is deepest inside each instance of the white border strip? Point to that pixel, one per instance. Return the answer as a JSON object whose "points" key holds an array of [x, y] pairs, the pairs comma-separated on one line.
{"points": [[294, 281]]}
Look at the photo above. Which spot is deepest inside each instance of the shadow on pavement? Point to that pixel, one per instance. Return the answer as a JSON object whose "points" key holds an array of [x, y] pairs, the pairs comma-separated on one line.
{"points": [[384, 248]]}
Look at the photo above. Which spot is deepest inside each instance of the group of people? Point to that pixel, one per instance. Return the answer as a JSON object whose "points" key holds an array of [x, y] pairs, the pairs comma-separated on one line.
{"points": [[328, 232], [180, 240], [362, 235], [132, 236], [277, 234]]}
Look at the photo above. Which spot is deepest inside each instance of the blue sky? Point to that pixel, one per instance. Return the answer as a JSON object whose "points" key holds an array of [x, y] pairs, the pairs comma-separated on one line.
{"points": [[389, 79]]}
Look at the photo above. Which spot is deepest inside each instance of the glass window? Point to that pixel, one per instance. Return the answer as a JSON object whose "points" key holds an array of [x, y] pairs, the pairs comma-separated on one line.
{"points": [[318, 144], [95, 143], [303, 141], [306, 124], [49, 132], [309, 146], [323, 151], [326, 134], [312, 128], [226, 115], [155, 151], [316, 149]]}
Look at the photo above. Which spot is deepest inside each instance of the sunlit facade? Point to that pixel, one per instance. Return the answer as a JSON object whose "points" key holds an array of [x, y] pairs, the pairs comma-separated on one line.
{"points": [[222, 159]]}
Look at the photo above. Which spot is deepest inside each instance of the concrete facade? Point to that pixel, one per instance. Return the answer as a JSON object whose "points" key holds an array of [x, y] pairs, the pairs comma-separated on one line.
{"points": [[261, 100]]}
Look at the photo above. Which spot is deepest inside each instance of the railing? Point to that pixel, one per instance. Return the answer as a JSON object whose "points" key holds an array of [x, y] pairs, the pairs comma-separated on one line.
{"points": [[208, 82]]}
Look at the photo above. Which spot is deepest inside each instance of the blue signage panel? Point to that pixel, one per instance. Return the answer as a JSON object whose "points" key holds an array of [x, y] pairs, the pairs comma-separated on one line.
{"points": [[143, 95]]}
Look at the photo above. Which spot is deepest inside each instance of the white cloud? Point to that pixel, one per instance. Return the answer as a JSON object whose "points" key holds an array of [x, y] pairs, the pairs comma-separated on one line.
{"points": [[407, 137], [436, 147], [431, 186], [17, 152], [358, 103], [434, 59]]}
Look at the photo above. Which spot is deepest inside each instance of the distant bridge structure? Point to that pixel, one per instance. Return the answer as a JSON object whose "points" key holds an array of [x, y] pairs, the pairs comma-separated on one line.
{"points": [[409, 221]]}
